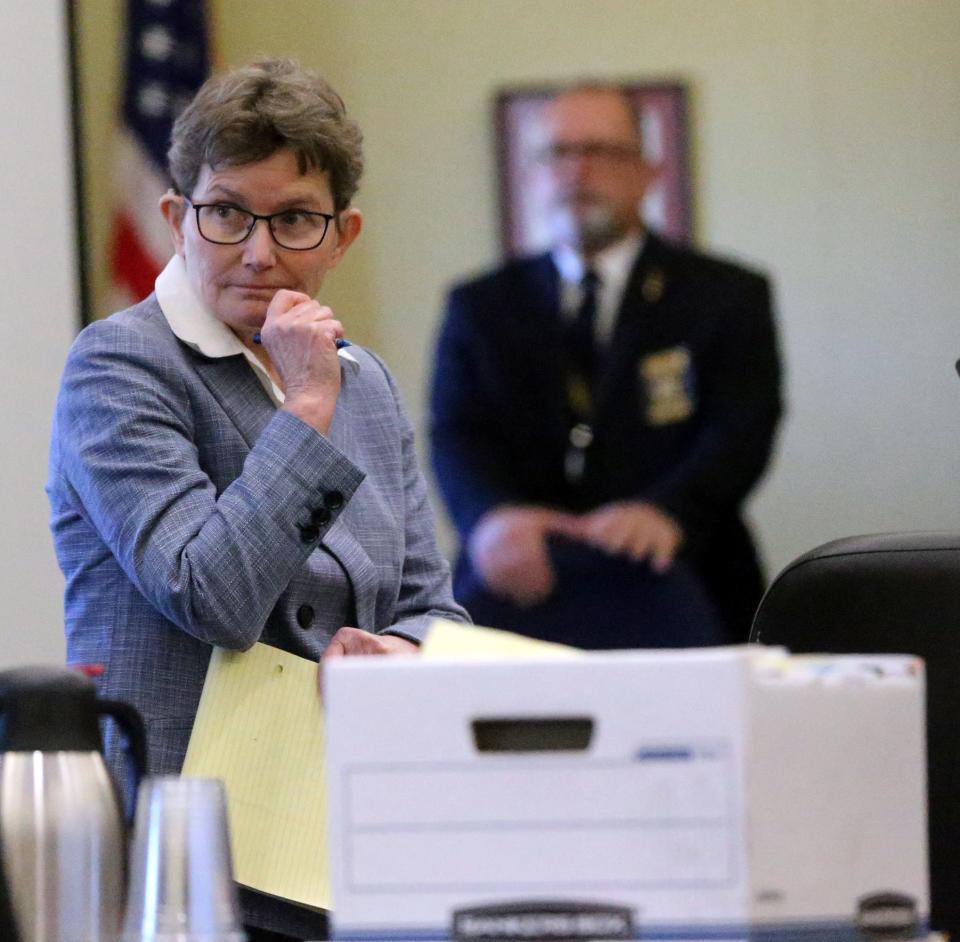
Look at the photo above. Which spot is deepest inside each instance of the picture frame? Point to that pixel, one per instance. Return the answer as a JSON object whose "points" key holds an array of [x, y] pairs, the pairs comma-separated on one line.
{"points": [[662, 114]]}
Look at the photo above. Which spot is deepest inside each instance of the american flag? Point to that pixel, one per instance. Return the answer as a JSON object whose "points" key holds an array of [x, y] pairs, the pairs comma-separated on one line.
{"points": [[166, 61]]}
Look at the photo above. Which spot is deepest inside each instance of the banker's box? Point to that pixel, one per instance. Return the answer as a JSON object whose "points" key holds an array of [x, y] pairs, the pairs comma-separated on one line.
{"points": [[734, 793]]}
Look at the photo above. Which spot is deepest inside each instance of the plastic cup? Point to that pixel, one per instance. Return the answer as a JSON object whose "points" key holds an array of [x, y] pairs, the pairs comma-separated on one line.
{"points": [[181, 882]]}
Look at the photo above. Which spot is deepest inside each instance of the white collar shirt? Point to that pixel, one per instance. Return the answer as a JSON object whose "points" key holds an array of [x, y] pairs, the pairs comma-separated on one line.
{"points": [[193, 323]]}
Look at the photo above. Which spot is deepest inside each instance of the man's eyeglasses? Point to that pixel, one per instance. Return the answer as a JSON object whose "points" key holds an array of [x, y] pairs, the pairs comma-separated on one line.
{"points": [[596, 150], [226, 224]]}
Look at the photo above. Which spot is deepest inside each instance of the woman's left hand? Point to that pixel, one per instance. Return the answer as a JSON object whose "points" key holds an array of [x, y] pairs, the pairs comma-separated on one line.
{"points": [[350, 642]]}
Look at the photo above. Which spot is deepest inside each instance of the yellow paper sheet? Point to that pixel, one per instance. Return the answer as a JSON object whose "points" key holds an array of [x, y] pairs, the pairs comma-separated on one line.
{"points": [[454, 639], [259, 727]]}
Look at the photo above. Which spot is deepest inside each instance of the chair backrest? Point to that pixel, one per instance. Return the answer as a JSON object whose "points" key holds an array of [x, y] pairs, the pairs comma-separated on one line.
{"points": [[892, 593]]}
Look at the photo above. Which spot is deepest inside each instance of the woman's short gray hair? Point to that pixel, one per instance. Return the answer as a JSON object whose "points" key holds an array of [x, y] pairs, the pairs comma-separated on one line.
{"points": [[248, 114]]}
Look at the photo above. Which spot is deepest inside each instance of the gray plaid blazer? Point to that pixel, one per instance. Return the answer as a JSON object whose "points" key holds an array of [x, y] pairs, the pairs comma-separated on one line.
{"points": [[188, 511]]}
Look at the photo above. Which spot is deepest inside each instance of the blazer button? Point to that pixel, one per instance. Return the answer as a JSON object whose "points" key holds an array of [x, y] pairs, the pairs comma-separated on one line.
{"points": [[320, 516], [305, 616], [333, 500], [309, 533]]}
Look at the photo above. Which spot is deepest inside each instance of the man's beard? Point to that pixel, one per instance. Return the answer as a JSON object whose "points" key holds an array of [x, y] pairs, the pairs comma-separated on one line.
{"points": [[589, 227]]}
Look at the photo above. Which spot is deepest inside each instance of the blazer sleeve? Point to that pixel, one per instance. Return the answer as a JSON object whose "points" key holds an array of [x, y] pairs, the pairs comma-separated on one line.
{"points": [[212, 563], [468, 451], [425, 590], [740, 407]]}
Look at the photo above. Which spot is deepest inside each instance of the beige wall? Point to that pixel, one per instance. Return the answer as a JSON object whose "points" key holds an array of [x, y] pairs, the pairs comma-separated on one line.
{"points": [[825, 140]]}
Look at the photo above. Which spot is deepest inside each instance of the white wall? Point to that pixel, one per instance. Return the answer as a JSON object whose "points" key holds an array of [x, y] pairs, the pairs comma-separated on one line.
{"points": [[38, 307], [825, 138]]}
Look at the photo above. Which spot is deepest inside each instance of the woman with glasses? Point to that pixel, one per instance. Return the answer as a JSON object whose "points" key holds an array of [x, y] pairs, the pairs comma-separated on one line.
{"points": [[224, 470]]}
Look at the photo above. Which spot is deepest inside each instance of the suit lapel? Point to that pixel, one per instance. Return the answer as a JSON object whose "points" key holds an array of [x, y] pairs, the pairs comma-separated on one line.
{"points": [[640, 308], [234, 385], [541, 339]]}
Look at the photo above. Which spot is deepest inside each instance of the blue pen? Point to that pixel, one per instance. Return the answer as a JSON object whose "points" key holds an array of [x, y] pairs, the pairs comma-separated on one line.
{"points": [[341, 342]]}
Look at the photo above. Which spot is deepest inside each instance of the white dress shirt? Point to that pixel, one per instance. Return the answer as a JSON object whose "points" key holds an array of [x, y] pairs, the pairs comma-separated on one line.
{"points": [[612, 266]]}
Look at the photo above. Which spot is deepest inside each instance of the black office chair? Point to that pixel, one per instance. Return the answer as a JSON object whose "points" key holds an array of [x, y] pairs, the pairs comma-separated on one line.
{"points": [[892, 593]]}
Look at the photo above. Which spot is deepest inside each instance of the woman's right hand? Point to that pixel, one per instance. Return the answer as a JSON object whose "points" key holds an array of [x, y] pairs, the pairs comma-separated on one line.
{"points": [[299, 334]]}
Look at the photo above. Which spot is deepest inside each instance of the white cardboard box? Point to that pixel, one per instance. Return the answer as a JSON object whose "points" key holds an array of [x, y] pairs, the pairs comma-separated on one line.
{"points": [[717, 794]]}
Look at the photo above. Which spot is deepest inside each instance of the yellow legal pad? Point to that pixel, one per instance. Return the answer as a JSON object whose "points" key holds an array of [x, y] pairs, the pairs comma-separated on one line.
{"points": [[259, 728], [455, 639]]}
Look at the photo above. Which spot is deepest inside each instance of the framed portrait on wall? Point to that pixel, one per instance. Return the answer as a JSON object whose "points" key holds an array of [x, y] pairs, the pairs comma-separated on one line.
{"points": [[662, 115]]}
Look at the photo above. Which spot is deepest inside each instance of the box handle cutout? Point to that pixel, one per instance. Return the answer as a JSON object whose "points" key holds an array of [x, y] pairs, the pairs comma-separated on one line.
{"points": [[533, 734]]}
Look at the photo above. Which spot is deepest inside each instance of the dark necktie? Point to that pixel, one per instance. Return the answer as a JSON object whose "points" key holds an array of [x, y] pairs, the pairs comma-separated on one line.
{"points": [[581, 356], [581, 342]]}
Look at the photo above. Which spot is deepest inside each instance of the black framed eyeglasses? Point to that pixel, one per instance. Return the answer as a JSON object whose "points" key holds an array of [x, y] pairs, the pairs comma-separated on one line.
{"points": [[226, 224], [592, 150]]}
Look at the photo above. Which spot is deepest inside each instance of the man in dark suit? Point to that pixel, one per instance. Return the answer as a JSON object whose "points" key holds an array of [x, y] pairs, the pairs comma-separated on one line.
{"points": [[599, 413]]}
